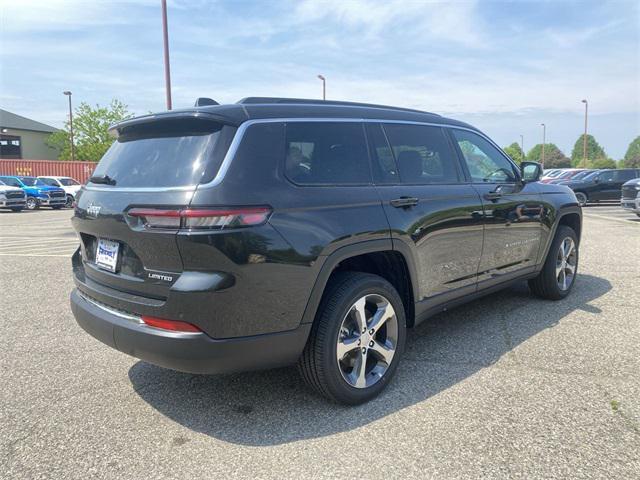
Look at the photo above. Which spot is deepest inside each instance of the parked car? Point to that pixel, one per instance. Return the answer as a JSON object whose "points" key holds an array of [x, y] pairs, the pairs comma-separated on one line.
{"points": [[38, 194], [551, 173], [13, 198], [564, 173], [606, 185], [68, 184], [570, 175], [631, 196], [275, 231]]}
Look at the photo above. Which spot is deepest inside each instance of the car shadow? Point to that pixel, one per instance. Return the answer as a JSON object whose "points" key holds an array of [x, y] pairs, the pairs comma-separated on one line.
{"points": [[275, 407]]}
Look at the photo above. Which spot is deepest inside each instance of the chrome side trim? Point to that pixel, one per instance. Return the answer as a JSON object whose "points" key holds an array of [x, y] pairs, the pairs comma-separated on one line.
{"points": [[117, 313], [237, 140]]}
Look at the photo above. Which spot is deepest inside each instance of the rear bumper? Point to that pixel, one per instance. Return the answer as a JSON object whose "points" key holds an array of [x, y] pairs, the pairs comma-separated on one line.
{"points": [[187, 352]]}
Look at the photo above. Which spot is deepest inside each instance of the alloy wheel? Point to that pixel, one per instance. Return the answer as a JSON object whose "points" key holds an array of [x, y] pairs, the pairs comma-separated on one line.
{"points": [[31, 203], [582, 199], [367, 341], [566, 263]]}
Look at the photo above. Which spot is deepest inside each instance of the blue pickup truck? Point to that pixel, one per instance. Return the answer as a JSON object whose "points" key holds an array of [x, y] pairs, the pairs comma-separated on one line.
{"points": [[38, 193]]}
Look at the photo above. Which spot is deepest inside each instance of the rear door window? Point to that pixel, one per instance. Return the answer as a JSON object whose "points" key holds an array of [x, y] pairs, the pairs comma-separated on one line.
{"points": [[623, 175], [423, 154], [326, 153], [167, 153]]}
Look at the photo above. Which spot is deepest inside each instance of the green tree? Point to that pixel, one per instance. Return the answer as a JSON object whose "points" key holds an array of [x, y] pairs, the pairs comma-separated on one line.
{"points": [[594, 151], [515, 152], [553, 156], [602, 163], [632, 157], [90, 131]]}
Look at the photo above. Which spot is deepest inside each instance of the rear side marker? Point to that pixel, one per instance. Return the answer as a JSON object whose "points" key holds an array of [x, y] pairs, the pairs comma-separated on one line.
{"points": [[201, 218], [172, 325]]}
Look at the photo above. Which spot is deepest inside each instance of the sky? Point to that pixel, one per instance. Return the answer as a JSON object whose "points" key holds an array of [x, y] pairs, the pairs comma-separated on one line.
{"points": [[505, 67]]}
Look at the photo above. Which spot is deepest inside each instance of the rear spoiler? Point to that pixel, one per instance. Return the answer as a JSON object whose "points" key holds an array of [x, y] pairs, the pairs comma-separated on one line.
{"points": [[117, 128]]}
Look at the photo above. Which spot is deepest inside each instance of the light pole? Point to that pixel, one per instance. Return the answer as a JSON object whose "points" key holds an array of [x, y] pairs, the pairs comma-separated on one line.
{"points": [[584, 139], [165, 38], [73, 152], [324, 86], [544, 140], [522, 146]]}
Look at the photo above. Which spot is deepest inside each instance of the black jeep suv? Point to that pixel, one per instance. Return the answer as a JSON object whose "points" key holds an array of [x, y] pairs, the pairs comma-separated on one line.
{"points": [[275, 231]]}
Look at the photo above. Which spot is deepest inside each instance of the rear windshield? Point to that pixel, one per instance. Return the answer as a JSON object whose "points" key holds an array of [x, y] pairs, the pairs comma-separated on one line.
{"points": [[164, 154]]}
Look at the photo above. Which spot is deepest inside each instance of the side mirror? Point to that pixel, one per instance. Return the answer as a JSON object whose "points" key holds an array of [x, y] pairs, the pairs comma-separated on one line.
{"points": [[596, 180], [530, 172]]}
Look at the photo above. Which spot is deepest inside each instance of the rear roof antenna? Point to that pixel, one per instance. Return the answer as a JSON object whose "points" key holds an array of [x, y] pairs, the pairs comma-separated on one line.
{"points": [[204, 102]]}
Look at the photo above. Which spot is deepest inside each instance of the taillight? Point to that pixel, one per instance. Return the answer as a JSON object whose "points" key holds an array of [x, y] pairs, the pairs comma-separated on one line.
{"points": [[201, 218], [173, 325]]}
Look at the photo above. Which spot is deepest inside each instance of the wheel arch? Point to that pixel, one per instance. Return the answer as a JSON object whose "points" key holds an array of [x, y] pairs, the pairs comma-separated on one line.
{"points": [[375, 256]]}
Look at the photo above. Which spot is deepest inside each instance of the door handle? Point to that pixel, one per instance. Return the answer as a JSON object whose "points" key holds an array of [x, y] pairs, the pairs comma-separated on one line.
{"points": [[404, 202], [492, 195]]}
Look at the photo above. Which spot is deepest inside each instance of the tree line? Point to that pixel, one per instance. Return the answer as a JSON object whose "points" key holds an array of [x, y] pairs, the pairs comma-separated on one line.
{"points": [[596, 156], [92, 139]]}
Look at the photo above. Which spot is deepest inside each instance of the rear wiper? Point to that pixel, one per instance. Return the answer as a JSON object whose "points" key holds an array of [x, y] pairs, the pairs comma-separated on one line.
{"points": [[104, 179]]}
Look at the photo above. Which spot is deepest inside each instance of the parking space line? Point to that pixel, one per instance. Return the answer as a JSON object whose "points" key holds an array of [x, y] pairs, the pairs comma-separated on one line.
{"points": [[33, 255], [628, 221]]}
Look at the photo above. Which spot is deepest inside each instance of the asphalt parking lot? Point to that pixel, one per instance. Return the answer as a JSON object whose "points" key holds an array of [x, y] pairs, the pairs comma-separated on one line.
{"points": [[508, 386]]}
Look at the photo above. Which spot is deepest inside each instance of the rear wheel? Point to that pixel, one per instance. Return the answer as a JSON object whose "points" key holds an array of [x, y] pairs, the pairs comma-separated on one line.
{"points": [[582, 198], [560, 268], [32, 203], [357, 339]]}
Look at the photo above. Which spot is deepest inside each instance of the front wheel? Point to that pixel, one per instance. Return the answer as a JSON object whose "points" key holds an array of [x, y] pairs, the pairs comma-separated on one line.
{"points": [[69, 203], [555, 280], [32, 203], [582, 198], [356, 340]]}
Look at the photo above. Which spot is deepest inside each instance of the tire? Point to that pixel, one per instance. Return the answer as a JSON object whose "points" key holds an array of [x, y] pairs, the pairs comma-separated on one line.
{"points": [[554, 282], [638, 214], [69, 203], [582, 199], [17, 209], [32, 203], [337, 327]]}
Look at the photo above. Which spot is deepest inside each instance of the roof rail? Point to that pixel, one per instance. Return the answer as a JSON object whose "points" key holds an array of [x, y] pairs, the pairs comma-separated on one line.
{"points": [[308, 101]]}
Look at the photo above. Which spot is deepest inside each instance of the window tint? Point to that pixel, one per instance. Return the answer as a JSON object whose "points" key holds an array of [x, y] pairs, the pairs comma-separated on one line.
{"points": [[12, 182], [422, 153], [606, 176], [485, 162], [326, 153], [384, 166], [623, 175]]}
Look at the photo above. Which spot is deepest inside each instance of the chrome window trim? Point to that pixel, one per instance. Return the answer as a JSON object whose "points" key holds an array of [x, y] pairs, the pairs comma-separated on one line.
{"points": [[237, 140]]}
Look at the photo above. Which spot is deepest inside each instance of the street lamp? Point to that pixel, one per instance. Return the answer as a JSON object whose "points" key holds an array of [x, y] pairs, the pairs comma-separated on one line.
{"points": [[324, 87], [165, 38], [544, 140], [584, 139], [73, 153], [522, 145]]}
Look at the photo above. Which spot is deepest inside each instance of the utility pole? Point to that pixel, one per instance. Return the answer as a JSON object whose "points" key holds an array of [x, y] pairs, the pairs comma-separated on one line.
{"points": [[165, 37], [73, 148], [324, 87], [544, 140], [584, 139]]}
